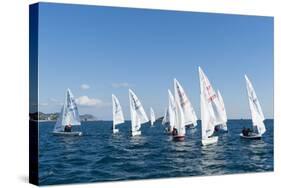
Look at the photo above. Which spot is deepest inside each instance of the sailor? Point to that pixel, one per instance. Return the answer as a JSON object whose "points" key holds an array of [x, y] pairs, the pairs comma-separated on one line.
{"points": [[169, 129], [217, 128], [67, 128], [249, 131], [175, 131], [245, 132]]}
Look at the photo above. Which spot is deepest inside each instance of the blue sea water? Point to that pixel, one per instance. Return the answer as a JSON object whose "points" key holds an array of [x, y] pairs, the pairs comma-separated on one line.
{"points": [[100, 156]]}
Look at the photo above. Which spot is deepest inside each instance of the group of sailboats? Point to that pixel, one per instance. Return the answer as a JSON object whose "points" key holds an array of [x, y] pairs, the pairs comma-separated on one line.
{"points": [[179, 113], [138, 115], [178, 116]]}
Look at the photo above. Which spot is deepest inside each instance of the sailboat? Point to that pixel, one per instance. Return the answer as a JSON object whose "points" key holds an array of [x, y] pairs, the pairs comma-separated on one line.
{"points": [[176, 118], [138, 115], [166, 120], [179, 122], [256, 112], [223, 126], [152, 117], [211, 112], [171, 112], [69, 115], [117, 113], [190, 118]]}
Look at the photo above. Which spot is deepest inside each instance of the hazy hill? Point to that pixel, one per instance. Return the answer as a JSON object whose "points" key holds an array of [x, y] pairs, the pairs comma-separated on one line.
{"points": [[54, 116]]}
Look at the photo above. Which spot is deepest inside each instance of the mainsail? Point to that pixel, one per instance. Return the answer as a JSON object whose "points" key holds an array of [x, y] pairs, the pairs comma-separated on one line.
{"points": [[166, 117], [171, 109], [210, 107], [212, 98], [180, 96], [118, 116], [69, 113], [224, 116], [207, 120], [138, 115], [179, 119], [256, 111], [152, 117]]}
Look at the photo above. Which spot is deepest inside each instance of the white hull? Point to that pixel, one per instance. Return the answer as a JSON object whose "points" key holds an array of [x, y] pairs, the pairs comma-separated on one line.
{"points": [[136, 133], [211, 140], [253, 136], [68, 133], [115, 131]]}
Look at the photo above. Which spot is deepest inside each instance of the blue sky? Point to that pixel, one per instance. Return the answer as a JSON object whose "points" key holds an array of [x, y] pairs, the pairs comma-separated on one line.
{"points": [[97, 51]]}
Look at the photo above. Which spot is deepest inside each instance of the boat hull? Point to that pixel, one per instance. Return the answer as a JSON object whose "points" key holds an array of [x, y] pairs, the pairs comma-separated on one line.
{"points": [[251, 137], [136, 133], [115, 131], [68, 133], [209, 141], [178, 138]]}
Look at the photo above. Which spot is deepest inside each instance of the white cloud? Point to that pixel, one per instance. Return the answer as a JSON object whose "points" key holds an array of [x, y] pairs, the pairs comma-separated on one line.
{"points": [[85, 86], [53, 100], [122, 84], [86, 101]]}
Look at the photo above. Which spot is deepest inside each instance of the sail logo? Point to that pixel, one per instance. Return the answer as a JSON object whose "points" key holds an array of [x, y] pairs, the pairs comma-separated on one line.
{"points": [[136, 103], [117, 109], [210, 96]]}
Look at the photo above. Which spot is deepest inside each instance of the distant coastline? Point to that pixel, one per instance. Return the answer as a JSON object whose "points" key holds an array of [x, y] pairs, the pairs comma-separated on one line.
{"points": [[49, 117]]}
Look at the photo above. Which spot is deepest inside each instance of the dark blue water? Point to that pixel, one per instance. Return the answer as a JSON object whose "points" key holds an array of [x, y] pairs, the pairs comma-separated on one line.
{"points": [[100, 156]]}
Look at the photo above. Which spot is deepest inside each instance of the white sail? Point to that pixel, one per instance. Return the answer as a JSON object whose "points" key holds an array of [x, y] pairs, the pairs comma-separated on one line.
{"points": [[58, 126], [171, 109], [179, 119], [69, 113], [166, 117], [224, 116], [256, 111], [210, 110], [212, 98], [152, 117], [189, 113], [117, 112], [138, 115], [207, 120]]}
